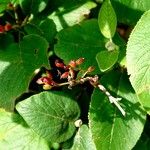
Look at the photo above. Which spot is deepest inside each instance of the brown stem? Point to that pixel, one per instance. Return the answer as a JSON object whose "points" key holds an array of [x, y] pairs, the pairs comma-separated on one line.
{"points": [[94, 82]]}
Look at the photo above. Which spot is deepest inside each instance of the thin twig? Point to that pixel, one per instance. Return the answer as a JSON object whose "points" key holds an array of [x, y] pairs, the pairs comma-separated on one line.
{"points": [[94, 82], [112, 99]]}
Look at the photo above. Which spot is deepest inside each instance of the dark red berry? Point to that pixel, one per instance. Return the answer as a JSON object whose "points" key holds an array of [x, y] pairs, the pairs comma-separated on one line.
{"points": [[59, 64], [66, 67], [64, 75], [7, 27], [2, 30], [90, 69], [46, 80], [49, 75], [79, 61], [53, 83], [72, 64]]}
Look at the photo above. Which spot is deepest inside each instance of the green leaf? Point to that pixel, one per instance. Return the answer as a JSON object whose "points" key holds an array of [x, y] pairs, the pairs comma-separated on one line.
{"points": [[110, 130], [106, 59], [15, 2], [17, 64], [34, 6], [16, 135], [107, 19], [144, 97], [45, 28], [3, 4], [83, 139], [85, 41], [51, 115], [71, 13], [138, 59], [130, 11]]}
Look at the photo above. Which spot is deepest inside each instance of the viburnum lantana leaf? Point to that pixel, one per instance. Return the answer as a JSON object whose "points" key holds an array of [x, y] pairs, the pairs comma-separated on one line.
{"points": [[17, 65], [138, 60], [50, 114], [84, 40], [45, 28], [69, 13], [106, 59], [107, 124], [33, 7], [3, 5], [130, 11], [15, 134], [83, 139], [107, 19]]}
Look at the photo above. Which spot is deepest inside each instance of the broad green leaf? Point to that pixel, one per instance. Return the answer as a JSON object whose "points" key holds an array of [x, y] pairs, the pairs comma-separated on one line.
{"points": [[55, 146], [85, 41], [110, 130], [15, 2], [3, 5], [17, 64], [45, 28], [51, 115], [71, 13], [106, 59], [130, 11], [138, 59], [83, 139], [34, 6], [107, 19], [144, 97], [16, 135]]}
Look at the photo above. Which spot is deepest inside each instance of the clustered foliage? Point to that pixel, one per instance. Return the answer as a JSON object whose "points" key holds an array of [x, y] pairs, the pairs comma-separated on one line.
{"points": [[74, 74]]}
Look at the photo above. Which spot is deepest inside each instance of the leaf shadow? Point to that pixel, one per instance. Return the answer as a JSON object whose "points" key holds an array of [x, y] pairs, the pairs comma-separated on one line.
{"points": [[61, 8], [134, 111], [107, 112], [16, 118], [104, 111], [66, 6], [132, 18]]}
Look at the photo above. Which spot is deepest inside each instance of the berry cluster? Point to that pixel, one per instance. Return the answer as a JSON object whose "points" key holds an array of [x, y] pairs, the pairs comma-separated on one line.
{"points": [[47, 81], [5, 28], [70, 72]]}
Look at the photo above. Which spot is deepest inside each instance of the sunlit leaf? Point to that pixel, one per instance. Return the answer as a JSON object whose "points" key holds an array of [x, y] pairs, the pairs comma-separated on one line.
{"points": [[106, 59], [138, 59], [83, 139], [107, 19], [17, 65], [107, 123], [16, 135], [51, 115]]}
